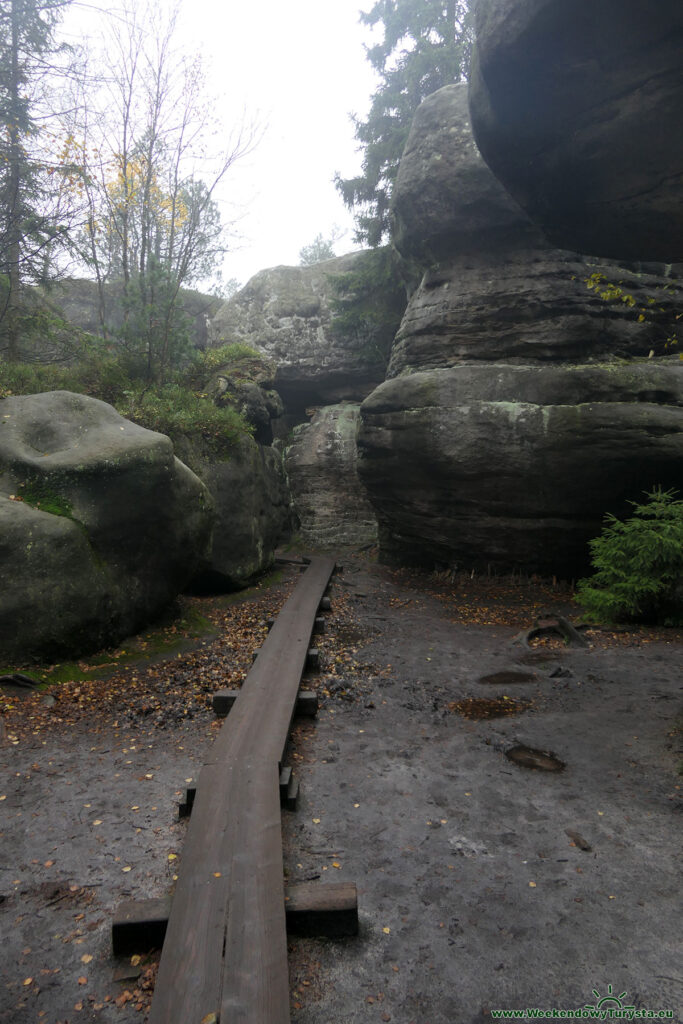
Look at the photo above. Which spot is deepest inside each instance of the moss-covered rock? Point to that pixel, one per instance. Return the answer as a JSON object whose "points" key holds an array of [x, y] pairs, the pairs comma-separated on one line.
{"points": [[101, 525]]}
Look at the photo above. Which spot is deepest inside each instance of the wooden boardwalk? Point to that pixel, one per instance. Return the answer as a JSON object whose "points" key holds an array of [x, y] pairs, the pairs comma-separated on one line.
{"points": [[224, 958]]}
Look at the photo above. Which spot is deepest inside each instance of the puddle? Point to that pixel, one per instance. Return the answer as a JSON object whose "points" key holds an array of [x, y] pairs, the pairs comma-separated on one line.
{"points": [[542, 657], [542, 760], [507, 678], [497, 707]]}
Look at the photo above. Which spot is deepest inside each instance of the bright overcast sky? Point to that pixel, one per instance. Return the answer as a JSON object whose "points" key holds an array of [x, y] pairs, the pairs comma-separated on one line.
{"points": [[298, 68]]}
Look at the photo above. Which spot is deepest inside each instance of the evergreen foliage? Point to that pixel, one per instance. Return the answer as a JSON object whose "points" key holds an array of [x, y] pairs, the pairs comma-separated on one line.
{"points": [[426, 44], [369, 303], [32, 197], [320, 249], [639, 565]]}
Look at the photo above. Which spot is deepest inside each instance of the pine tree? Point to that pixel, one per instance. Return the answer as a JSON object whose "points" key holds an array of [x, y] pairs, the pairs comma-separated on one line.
{"points": [[426, 44], [27, 229]]}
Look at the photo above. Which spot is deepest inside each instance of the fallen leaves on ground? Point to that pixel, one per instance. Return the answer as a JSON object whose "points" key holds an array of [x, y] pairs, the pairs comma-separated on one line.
{"points": [[160, 695]]}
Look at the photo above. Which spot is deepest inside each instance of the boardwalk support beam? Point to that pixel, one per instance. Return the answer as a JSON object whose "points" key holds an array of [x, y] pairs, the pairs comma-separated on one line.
{"points": [[327, 911]]}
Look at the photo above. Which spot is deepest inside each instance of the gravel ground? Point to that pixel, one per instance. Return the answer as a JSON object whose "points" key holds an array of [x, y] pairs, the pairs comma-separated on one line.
{"points": [[482, 884]]}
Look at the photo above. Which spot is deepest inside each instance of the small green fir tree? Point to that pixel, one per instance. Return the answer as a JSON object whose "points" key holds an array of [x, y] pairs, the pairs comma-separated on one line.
{"points": [[639, 565]]}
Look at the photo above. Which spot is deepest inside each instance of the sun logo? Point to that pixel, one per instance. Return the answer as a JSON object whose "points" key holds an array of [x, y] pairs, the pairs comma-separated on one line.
{"points": [[602, 1001]]}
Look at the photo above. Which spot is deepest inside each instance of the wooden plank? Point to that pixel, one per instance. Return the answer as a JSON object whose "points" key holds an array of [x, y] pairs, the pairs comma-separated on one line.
{"points": [[226, 951], [329, 910]]}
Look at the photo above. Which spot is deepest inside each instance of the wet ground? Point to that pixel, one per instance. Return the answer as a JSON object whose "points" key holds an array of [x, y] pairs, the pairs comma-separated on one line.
{"points": [[483, 884]]}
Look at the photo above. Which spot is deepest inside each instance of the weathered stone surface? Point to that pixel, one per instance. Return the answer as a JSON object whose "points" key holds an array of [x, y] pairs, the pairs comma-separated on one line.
{"points": [[445, 198], [253, 513], [247, 384], [515, 466], [321, 464], [533, 305], [493, 288], [576, 107], [285, 314], [109, 528]]}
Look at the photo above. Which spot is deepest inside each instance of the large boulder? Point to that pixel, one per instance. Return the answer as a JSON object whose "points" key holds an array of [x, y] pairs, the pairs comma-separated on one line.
{"points": [[286, 314], [253, 512], [321, 463], [101, 525], [502, 466], [445, 197], [576, 108], [492, 287]]}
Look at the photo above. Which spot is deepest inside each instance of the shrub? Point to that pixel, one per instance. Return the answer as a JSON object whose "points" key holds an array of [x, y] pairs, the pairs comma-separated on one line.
{"points": [[180, 413], [202, 368], [639, 565]]}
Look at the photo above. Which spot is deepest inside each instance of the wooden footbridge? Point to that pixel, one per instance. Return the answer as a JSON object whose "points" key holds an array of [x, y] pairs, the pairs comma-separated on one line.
{"points": [[224, 956]]}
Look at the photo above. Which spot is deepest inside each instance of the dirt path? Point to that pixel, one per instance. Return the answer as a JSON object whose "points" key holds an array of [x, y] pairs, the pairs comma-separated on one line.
{"points": [[475, 889]]}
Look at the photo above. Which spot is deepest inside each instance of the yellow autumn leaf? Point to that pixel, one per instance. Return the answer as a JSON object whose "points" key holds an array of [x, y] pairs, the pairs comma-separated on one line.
{"points": [[86, 958], [386, 930], [172, 856]]}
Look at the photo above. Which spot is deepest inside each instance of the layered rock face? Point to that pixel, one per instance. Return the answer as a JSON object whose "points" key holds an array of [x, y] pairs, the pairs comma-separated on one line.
{"points": [[285, 314], [493, 288], [501, 466], [500, 438], [329, 500], [101, 525], [576, 108]]}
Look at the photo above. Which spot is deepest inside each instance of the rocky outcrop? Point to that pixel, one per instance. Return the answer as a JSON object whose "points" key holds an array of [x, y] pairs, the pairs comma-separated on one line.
{"points": [[515, 415], [286, 314], [506, 466], [321, 463], [246, 383], [78, 301], [252, 510], [493, 288], [101, 525], [576, 108]]}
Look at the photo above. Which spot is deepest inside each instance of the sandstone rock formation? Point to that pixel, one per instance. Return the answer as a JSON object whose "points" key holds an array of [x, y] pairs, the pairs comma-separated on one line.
{"points": [[576, 107], [101, 525], [285, 314], [521, 406], [247, 384], [506, 467], [252, 512], [493, 288], [321, 463]]}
